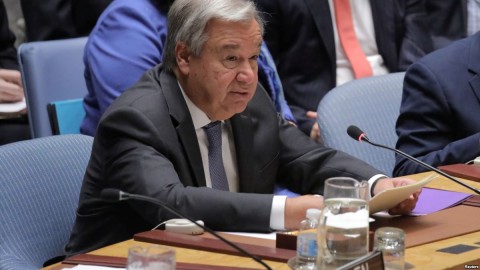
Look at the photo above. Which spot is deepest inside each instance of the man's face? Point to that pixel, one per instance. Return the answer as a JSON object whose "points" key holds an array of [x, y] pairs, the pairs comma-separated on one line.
{"points": [[222, 80]]}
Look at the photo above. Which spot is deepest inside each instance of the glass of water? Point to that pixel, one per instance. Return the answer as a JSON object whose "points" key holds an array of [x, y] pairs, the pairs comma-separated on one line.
{"points": [[343, 228], [151, 257], [391, 241]]}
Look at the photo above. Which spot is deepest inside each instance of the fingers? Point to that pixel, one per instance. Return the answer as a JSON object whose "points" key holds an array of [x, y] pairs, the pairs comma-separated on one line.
{"points": [[12, 76], [295, 209], [10, 92], [405, 206], [11, 89], [315, 133], [312, 115]]}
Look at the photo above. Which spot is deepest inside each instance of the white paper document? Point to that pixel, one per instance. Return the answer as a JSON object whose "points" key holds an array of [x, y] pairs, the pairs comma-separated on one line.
{"points": [[13, 107]]}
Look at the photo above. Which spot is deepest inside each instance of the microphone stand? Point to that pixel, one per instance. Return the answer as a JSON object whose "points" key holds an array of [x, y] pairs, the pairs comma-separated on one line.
{"points": [[353, 130], [121, 196]]}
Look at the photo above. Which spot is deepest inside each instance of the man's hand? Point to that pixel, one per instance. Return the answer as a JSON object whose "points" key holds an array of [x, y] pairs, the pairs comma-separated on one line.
{"points": [[405, 206], [315, 132], [11, 89], [296, 209]]}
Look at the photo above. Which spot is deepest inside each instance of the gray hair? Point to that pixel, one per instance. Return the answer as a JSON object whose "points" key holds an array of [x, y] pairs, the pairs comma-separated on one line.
{"points": [[187, 20]]}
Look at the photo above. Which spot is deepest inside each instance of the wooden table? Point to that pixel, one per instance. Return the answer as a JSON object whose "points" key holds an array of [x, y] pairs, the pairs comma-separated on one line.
{"points": [[427, 256], [421, 257]]}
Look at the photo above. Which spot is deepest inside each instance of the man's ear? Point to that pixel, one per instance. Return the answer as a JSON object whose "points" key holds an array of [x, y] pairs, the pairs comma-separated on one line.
{"points": [[182, 55]]}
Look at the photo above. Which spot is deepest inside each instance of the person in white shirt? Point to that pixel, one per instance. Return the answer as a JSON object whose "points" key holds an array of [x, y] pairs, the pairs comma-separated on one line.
{"points": [[303, 39]]}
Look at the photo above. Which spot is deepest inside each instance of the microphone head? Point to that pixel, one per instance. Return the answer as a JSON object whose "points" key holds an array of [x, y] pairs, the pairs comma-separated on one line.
{"points": [[111, 194], [355, 133]]}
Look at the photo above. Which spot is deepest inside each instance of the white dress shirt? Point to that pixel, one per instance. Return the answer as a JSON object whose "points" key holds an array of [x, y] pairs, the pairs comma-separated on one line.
{"points": [[365, 32]]}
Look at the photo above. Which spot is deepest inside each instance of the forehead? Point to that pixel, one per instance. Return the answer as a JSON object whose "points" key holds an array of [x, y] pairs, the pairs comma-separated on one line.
{"points": [[231, 35]]}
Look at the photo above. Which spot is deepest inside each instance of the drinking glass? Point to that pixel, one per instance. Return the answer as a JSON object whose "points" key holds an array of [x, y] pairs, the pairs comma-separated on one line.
{"points": [[391, 241], [343, 228], [151, 257]]}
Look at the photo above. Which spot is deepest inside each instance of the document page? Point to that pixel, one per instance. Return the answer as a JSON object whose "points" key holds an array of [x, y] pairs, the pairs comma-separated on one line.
{"points": [[391, 197]]}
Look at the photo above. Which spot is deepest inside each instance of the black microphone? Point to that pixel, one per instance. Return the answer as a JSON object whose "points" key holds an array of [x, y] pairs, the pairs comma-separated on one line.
{"points": [[116, 195], [357, 134]]}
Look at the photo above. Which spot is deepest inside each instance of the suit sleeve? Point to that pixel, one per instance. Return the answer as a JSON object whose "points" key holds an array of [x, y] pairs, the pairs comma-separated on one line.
{"points": [[8, 53], [416, 41], [426, 126]]}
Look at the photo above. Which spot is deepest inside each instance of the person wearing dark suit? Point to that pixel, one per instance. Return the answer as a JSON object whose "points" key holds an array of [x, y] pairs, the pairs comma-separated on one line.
{"points": [[439, 119], [451, 20], [13, 128], [447, 21], [48, 20], [60, 19], [152, 139], [301, 37]]}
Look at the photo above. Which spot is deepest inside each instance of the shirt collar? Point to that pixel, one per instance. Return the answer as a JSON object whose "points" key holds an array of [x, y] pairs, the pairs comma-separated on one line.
{"points": [[199, 118]]}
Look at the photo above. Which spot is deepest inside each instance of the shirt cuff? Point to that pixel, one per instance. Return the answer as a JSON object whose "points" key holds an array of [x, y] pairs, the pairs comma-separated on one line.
{"points": [[277, 215], [373, 181]]}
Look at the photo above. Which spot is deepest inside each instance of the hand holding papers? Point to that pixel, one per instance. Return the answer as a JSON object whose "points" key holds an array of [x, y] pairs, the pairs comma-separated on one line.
{"points": [[391, 197]]}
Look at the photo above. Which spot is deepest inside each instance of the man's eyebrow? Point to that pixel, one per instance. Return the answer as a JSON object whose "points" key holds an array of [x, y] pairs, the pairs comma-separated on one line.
{"points": [[230, 46]]}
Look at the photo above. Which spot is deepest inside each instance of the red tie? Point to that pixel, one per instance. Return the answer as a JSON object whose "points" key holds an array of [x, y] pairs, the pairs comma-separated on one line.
{"points": [[349, 41]]}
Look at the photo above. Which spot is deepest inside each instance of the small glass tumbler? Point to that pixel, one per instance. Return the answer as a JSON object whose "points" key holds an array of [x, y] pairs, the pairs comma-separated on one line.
{"points": [[152, 257], [391, 241]]}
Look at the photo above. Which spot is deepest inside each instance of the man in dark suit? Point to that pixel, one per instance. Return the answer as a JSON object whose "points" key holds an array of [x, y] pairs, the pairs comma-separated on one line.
{"points": [[60, 19], [439, 120], [300, 35], [153, 140], [447, 21]]}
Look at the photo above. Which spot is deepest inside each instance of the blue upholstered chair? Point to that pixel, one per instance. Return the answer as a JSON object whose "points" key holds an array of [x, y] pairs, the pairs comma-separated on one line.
{"points": [[51, 71], [372, 104], [40, 182]]}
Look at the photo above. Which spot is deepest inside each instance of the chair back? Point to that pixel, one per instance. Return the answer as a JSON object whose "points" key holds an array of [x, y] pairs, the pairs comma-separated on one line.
{"points": [[373, 105], [40, 181], [51, 71]]}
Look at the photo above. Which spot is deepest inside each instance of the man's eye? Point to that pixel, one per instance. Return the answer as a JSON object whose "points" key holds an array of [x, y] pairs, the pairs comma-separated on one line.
{"points": [[255, 57], [231, 58]]}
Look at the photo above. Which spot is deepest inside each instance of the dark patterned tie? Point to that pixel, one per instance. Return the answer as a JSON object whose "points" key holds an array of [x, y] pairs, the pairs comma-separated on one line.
{"points": [[215, 160]]}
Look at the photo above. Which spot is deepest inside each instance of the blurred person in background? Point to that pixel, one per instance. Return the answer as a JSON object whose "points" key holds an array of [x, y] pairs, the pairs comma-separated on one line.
{"points": [[13, 127]]}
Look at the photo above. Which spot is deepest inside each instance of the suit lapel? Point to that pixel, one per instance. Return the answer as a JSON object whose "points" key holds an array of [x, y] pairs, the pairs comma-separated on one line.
{"points": [[185, 130], [243, 136], [474, 65], [323, 20]]}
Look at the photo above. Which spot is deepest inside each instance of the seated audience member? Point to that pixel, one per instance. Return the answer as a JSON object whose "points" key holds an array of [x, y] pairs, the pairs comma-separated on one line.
{"points": [[451, 20], [60, 19], [127, 41], [304, 40], [11, 90], [439, 119], [199, 133]]}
